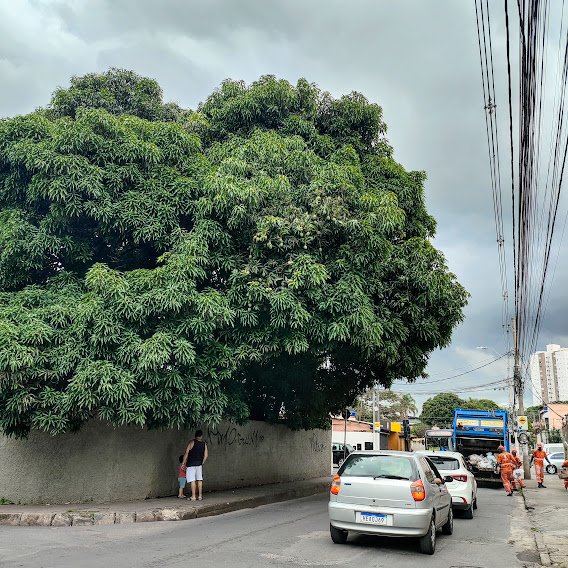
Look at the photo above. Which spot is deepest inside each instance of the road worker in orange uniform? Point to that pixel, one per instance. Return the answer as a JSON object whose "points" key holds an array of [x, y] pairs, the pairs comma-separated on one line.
{"points": [[517, 463], [565, 464], [506, 462], [538, 456]]}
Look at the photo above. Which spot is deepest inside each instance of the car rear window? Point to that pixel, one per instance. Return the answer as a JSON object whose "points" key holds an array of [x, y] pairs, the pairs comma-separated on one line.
{"points": [[392, 467], [445, 463]]}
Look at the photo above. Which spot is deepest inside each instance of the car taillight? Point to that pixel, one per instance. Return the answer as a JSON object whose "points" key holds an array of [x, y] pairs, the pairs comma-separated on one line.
{"points": [[417, 489], [335, 485], [460, 477]]}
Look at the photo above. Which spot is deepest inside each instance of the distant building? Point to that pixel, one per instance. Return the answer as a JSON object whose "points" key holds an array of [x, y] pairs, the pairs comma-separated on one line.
{"points": [[549, 374], [553, 415], [359, 434]]}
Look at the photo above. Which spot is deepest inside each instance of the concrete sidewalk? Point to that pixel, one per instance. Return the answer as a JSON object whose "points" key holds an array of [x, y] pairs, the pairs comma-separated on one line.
{"points": [[163, 509], [548, 513]]}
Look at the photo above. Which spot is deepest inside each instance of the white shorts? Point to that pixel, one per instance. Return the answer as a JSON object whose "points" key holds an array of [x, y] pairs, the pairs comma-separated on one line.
{"points": [[194, 473]]}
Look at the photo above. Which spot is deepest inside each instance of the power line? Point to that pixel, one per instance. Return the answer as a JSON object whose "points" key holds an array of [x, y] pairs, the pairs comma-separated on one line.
{"points": [[534, 204]]}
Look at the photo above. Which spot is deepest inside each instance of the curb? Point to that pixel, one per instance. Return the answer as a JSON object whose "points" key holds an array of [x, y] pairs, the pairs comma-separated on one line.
{"points": [[539, 540], [89, 518]]}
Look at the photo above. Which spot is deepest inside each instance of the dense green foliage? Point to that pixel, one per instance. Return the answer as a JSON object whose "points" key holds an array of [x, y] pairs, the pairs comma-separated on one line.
{"points": [[439, 409], [262, 257], [118, 92]]}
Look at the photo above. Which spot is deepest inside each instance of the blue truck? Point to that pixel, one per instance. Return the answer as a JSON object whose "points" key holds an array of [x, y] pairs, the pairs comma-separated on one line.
{"points": [[476, 434]]}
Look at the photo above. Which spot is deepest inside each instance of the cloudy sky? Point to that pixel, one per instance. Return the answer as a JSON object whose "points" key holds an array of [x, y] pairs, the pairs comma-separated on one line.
{"points": [[418, 59]]}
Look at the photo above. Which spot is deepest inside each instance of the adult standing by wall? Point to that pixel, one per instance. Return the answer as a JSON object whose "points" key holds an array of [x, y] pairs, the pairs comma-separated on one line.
{"points": [[195, 456], [538, 456]]}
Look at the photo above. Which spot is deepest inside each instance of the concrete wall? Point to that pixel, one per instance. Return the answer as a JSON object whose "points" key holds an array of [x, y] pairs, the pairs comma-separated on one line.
{"points": [[103, 464]]}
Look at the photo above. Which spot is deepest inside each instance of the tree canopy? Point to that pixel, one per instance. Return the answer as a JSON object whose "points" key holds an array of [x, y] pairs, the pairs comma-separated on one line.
{"points": [[439, 409], [261, 257]]}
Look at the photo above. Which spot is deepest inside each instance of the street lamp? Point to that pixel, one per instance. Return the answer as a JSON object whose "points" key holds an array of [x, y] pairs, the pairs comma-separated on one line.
{"points": [[494, 351]]}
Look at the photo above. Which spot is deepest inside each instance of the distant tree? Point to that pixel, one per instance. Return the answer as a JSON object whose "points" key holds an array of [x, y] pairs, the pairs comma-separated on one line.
{"points": [[265, 257], [392, 406], [480, 404], [363, 407], [419, 430], [439, 410], [554, 436], [396, 406], [533, 410]]}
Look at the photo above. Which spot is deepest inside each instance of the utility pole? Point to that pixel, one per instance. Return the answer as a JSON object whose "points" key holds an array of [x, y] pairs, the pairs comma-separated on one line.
{"points": [[376, 446], [518, 385], [345, 435], [378, 415]]}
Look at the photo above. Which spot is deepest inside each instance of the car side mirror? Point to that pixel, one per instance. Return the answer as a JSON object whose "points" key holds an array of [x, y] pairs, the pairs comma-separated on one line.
{"points": [[448, 479]]}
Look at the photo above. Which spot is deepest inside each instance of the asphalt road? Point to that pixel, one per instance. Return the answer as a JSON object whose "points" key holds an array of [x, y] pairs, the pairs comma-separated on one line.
{"points": [[289, 534]]}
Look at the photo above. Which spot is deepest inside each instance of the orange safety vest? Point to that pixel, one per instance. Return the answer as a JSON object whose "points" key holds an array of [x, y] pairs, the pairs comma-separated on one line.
{"points": [[539, 456], [517, 461], [505, 460]]}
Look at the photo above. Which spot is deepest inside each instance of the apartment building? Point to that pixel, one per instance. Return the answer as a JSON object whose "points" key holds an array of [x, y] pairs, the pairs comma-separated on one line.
{"points": [[549, 374]]}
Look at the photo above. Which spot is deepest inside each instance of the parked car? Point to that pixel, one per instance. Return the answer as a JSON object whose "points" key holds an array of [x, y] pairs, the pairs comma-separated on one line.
{"points": [[556, 461], [338, 454], [463, 487], [553, 448], [399, 494]]}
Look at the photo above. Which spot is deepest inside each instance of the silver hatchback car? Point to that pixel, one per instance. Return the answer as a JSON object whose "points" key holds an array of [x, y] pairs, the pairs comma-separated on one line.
{"points": [[387, 493]]}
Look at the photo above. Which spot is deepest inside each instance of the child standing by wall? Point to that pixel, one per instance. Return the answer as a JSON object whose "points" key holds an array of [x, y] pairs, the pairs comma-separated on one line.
{"points": [[181, 478]]}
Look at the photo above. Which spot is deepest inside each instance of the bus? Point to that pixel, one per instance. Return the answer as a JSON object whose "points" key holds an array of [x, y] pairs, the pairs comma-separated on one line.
{"points": [[439, 440]]}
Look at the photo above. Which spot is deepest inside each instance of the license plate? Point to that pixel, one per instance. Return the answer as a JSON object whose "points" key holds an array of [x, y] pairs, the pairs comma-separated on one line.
{"points": [[372, 519]]}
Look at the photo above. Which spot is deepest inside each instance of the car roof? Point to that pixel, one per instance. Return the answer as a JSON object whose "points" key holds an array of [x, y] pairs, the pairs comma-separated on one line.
{"points": [[440, 454], [383, 453]]}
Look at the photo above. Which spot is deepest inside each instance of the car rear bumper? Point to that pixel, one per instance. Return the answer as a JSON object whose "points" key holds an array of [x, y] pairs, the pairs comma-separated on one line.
{"points": [[462, 499], [405, 522], [460, 504]]}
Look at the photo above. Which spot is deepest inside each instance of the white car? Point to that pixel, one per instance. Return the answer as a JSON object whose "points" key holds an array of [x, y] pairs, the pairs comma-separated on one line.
{"points": [[464, 487], [556, 461]]}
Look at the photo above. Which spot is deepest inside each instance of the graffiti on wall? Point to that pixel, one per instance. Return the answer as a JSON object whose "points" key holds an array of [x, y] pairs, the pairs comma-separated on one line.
{"points": [[315, 444], [231, 436]]}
